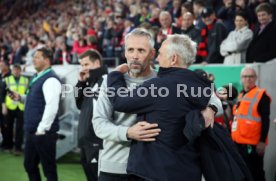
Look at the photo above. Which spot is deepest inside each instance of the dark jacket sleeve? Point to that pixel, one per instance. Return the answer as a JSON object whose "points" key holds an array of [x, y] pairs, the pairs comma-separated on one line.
{"points": [[214, 40], [3, 91], [127, 101], [264, 111], [79, 97], [194, 125]]}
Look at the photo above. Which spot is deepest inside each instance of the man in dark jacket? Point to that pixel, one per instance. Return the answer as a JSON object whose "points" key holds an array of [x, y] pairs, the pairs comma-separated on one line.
{"points": [[262, 47], [188, 28], [212, 34], [166, 100], [91, 76]]}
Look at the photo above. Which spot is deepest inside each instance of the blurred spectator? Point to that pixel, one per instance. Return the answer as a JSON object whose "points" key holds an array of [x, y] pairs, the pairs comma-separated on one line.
{"points": [[262, 47], [227, 94], [242, 5], [109, 38], [20, 51], [154, 20], [189, 28], [133, 14], [163, 5], [61, 54], [33, 45], [176, 10], [144, 15], [227, 14], [167, 28], [234, 47], [128, 27], [5, 72], [185, 7], [198, 6], [212, 35]]}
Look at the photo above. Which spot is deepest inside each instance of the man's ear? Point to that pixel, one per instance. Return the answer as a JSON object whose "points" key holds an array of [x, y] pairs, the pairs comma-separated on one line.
{"points": [[153, 53], [174, 60], [97, 63]]}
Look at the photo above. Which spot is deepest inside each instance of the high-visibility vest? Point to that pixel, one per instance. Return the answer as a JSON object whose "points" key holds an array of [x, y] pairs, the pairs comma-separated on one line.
{"points": [[247, 123], [20, 87]]}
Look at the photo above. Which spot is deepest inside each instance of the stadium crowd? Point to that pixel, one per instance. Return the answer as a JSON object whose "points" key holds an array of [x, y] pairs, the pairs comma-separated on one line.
{"points": [[71, 27]]}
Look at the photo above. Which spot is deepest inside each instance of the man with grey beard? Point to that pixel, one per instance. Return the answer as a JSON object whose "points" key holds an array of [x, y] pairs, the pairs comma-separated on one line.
{"points": [[117, 128]]}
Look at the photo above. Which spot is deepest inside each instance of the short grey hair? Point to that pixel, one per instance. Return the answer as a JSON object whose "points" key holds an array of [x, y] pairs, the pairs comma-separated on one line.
{"points": [[184, 47], [249, 68], [165, 13], [141, 32]]}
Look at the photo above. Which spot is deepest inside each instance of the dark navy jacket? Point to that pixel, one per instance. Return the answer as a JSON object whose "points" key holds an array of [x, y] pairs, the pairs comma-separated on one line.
{"points": [[35, 105], [220, 158], [170, 157]]}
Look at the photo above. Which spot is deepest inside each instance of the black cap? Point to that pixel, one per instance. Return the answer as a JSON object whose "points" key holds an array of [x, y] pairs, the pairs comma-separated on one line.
{"points": [[206, 12], [17, 66]]}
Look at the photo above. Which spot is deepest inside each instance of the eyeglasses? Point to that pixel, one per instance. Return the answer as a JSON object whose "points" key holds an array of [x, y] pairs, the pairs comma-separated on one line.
{"points": [[248, 76]]}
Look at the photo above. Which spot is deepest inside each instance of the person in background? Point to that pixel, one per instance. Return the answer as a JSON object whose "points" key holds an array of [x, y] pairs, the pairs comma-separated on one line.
{"points": [[166, 29], [213, 33], [40, 118], [90, 76], [234, 47], [251, 123], [198, 6], [5, 72], [262, 47], [188, 28], [227, 94], [227, 14], [13, 110]]}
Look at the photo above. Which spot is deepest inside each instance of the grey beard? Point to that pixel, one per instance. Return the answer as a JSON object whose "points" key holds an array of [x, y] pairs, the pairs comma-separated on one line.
{"points": [[135, 72]]}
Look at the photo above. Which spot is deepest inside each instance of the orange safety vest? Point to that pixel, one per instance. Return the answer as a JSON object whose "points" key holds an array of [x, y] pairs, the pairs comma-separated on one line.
{"points": [[247, 123]]}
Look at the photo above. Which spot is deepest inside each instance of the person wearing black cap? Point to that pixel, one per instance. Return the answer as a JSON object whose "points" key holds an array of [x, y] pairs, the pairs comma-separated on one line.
{"points": [[212, 35], [234, 47]]}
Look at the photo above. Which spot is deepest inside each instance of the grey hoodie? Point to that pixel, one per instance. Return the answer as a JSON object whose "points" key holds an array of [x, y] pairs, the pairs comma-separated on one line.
{"points": [[112, 128]]}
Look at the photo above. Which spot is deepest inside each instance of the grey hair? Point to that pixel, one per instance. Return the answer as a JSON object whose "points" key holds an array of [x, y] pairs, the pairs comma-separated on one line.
{"points": [[141, 32], [184, 47], [249, 68], [165, 13]]}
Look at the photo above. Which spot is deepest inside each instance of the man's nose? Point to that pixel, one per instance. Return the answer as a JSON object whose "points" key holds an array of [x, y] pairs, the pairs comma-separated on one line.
{"points": [[135, 54]]}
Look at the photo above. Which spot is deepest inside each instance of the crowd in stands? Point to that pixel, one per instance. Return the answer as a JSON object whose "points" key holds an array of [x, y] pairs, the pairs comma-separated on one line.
{"points": [[71, 27]]}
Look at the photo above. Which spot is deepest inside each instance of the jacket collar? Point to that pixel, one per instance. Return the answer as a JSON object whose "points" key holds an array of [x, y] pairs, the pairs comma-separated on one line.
{"points": [[95, 74], [166, 70]]}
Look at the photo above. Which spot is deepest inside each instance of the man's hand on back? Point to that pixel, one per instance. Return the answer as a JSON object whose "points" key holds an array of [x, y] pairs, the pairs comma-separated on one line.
{"points": [[143, 131]]}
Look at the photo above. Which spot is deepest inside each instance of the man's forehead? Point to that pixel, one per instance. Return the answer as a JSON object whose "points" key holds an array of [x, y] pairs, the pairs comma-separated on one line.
{"points": [[248, 71], [133, 42]]}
